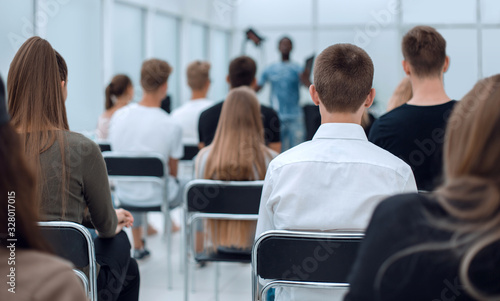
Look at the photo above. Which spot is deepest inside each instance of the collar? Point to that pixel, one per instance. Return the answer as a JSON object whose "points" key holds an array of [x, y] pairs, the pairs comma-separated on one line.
{"points": [[350, 131]]}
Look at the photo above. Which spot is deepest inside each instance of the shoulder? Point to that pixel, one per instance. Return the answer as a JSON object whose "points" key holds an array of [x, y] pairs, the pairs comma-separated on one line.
{"points": [[80, 142], [212, 111], [268, 112], [404, 208]]}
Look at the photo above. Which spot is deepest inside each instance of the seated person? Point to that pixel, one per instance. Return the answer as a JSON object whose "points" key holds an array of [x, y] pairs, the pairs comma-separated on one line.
{"points": [[73, 181], [145, 127], [241, 73], [188, 115], [238, 153], [37, 275], [334, 181], [414, 131], [119, 93], [442, 246]]}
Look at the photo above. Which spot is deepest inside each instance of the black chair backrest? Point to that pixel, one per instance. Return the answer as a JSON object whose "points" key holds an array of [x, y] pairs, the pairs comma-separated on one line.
{"points": [[190, 151], [105, 147], [68, 243], [306, 259], [224, 198], [134, 166]]}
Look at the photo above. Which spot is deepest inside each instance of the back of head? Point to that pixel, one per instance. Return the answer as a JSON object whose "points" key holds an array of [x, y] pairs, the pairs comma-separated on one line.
{"points": [[198, 75], [116, 88], [154, 73], [471, 193], [17, 187], [36, 100], [237, 148], [343, 77], [425, 50], [242, 71]]}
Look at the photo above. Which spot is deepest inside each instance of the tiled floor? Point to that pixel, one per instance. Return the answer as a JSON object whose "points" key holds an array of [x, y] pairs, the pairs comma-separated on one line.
{"points": [[234, 282]]}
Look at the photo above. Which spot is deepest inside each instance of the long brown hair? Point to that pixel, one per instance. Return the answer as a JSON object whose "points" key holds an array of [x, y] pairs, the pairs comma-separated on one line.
{"points": [[238, 153], [116, 88], [238, 149], [36, 103], [17, 188], [471, 192]]}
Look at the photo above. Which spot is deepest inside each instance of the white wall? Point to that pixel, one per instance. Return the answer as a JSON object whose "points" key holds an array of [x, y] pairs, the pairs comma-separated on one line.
{"points": [[100, 38], [471, 28]]}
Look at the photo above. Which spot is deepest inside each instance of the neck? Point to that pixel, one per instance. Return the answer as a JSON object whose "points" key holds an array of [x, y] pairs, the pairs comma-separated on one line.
{"points": [[198, 94], [327, 117], [121, 102], [285, 57], [428, 91], [151, 100]]}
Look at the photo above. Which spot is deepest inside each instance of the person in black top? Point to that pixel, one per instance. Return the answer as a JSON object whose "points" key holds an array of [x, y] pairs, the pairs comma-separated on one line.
{"points": [[241, 73], [414, 132], [444, 245]]}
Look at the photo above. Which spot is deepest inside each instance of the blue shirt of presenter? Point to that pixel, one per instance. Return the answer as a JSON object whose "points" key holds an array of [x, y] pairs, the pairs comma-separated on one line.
{"points": [[285, 78]]}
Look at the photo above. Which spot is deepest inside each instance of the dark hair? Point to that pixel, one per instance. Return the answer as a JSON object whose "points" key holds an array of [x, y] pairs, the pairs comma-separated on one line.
{"points": [[285, 38], [117, 87], [17, 188], [425, 49], [343, 77], [63, 68], [154, 73], [242, 71]]}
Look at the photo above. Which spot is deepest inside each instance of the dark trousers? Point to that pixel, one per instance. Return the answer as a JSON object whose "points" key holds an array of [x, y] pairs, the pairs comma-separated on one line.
{"points": [[118, 278]]}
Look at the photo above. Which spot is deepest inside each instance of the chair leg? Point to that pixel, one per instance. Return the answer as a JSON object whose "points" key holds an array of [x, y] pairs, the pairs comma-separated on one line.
{"points": [[168, 231], [185, 260]]}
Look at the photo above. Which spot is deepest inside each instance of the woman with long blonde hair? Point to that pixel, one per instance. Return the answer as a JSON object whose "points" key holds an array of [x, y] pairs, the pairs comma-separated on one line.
{"points": [[73, 183], [238, 153], [446, 245]]}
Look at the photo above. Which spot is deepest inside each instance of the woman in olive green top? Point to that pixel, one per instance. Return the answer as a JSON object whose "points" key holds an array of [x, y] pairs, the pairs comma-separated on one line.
{"points": [[73, 182]]}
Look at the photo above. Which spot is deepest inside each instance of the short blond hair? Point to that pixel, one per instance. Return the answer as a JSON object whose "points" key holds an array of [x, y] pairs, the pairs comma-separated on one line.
{"points": [[154, 73], [198, 75]]}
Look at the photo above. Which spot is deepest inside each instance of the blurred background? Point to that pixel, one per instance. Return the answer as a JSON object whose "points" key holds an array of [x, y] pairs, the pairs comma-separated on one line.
{"points": [[100, 38]]}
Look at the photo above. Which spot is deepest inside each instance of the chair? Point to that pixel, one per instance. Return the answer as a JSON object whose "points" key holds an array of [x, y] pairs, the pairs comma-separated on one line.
{"points": [[143, 167], [186, 163], [325, 258], [73, 242], [209, 199], [105, 147]]}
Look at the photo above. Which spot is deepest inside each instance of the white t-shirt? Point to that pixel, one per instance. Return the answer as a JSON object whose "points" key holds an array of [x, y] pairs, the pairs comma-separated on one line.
{"points": [[136, 128], [187, 116]]}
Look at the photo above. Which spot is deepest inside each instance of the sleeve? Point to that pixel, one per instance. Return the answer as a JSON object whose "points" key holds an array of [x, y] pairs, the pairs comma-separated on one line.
{"points": [[264, 77], [177, 148], [272, 126], [411, 184], [96, 190], [265, 219]]}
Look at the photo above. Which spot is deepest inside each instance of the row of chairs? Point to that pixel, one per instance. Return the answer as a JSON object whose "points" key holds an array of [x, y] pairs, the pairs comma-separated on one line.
{"points": [[326, 256]]}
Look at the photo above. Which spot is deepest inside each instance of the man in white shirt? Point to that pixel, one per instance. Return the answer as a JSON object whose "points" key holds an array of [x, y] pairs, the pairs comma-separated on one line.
{"points": [[335, 181], [145, 128], [187, 115]]}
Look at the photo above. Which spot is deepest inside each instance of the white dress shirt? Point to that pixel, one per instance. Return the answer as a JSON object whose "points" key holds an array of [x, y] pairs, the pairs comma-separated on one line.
{"points": [[188, 116], [333, 182]]}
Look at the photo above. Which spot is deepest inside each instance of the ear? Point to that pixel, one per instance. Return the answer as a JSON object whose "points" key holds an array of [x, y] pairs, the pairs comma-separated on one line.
{"points": [[63, 84], [370, 98], [446, 64], [406, 67], [253, 85], [314, 95], [227, 80]]}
